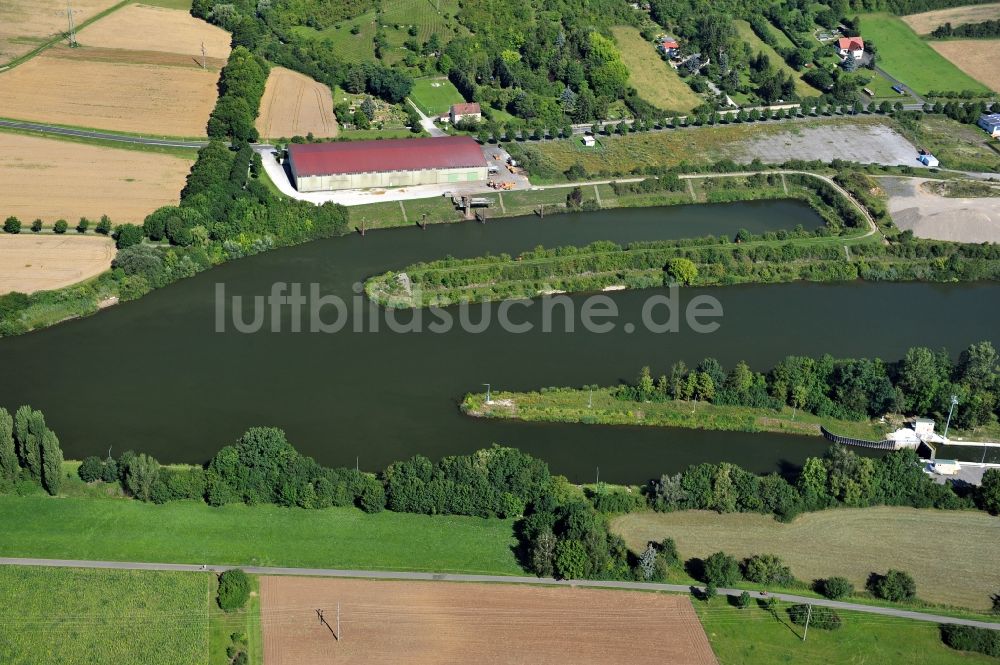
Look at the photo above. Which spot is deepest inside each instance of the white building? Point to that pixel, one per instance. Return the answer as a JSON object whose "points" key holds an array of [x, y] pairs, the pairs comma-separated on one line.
{"points": [[851, 46], [466, 111]]}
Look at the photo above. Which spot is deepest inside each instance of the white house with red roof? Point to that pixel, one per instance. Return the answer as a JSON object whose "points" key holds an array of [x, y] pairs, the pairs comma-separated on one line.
{"points": [[668, 46], [465, 111], [851, 47]]}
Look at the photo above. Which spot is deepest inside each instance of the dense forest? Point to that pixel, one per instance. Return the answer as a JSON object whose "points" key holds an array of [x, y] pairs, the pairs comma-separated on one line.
{"points": [[982, 30], [920, 383]]}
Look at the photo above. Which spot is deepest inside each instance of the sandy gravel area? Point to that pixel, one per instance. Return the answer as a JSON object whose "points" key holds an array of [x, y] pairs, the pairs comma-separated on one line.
{"points": [[30, 262], [930, 215], [864, 143], [53, 179], [295, 105], [443, 622]]}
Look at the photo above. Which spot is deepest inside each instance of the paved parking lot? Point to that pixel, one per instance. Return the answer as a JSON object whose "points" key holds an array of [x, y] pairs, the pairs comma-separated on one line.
{"points": [[857, 143]]}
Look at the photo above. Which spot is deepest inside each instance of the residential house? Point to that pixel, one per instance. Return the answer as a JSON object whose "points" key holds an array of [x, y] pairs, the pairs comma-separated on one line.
{"points": [[465, 111], [851, 47]]}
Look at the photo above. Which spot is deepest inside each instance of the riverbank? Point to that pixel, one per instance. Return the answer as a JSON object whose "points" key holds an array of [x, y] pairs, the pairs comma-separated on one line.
{"points": [[601, 407]]}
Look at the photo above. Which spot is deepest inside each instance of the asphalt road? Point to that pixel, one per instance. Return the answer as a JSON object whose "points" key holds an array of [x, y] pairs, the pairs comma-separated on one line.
{"points": [[104, 136], [502, 579]]}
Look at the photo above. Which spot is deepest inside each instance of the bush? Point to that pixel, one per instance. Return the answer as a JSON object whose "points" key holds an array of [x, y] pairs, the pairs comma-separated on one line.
{"points": [[83, 225], [36, 226], [895, 586], [12, 225], [104, 226], [721, 570], [767, 569], [371, 498], [823, 618], [835, 587], [743, 600], [60, 226], [91, 469], [970, 638], [234, 589], [126, 235]]}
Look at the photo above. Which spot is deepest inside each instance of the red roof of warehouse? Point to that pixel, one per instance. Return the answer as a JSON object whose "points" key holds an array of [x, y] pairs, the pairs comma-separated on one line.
{"points": [[417, 154], [852, 43]]}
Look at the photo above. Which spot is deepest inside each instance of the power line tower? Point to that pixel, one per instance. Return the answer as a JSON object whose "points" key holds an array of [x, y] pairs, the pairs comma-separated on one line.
{"points": [[72, 25], [204, 56]]}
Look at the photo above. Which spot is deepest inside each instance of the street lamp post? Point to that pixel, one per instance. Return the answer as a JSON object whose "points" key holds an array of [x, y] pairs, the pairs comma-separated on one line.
{"points": [[954, 402]]}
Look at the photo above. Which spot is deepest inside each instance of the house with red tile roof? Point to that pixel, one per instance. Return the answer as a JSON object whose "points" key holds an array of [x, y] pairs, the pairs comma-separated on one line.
{"points": [[851, 46]]}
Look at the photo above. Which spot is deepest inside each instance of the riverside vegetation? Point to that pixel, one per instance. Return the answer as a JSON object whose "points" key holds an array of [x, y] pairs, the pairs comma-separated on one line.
{"points": [[797, 394]]}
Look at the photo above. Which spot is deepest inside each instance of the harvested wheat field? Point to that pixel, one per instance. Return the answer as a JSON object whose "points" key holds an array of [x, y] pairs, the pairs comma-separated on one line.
{"points": [[443, 622], [145, 28], [24, 24], [63, 87], [30, 263], [975, 57], [50, 179], [295, 105], [925, 22]]}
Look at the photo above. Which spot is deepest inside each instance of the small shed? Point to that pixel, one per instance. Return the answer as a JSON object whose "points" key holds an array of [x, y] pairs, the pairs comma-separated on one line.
{"points": [[990, 122], [589, 141], [928, 159], [923, 426]]}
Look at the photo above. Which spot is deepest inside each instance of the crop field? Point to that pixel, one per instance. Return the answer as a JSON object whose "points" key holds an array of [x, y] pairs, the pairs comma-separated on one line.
{"points": [[435, 96], [656, 81], [910, 59], [138, 70], [747, 34], [755, 636], [146, 28], [51, 179], [439, 622], [932, 545], [30, 262], [977, 58], [295, 105], [925, 22], [68, 615], [25, 24]]}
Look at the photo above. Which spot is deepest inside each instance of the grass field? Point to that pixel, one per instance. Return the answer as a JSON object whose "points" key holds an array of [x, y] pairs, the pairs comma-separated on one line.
{"points": [[51, 179], [656, 81], [295, 105], [65, 615], [957, 145], [747, 34], [925, 22], [977, 58], [434, 96], [441, 622], [348, 47], [399, 15], [910, 59], [222, 625], [754, 636], [190, 532], [931, 545]]}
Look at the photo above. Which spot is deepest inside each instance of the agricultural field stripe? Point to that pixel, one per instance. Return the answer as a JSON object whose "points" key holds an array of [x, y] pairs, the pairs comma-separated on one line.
{"points": [[501, 579]]}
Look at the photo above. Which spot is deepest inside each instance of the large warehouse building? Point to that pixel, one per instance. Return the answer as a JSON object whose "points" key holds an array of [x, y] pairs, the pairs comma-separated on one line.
{"points": [[386, 163]]}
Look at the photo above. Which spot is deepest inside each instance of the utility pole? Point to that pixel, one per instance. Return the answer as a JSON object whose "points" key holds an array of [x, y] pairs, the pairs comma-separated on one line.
{"points": [[72, 25], [357, 461], [598, 481], [954, 402], [488, 400], [809, 613], [204, 56], [590, 400]]}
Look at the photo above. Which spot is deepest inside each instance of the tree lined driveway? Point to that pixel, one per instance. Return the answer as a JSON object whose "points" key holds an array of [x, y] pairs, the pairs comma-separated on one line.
{"points": [[500, 579]]}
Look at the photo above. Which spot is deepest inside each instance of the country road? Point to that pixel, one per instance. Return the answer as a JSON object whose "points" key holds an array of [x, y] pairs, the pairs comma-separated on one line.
{"points": [[103, 136], [501, 579]]}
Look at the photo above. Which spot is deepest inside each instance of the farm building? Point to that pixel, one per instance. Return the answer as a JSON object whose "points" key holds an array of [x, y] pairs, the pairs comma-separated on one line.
{"points": [[386, 163], [851, 46], [991, 123], [468, 111]]}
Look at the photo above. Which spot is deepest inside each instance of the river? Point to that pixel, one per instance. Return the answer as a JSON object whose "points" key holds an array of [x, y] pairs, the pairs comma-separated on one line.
{"points": [[154, 376]]}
